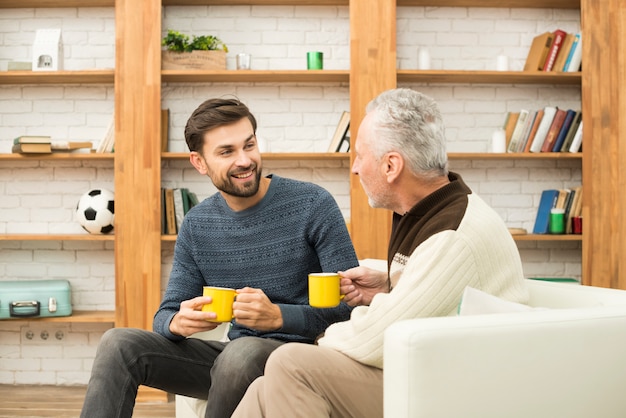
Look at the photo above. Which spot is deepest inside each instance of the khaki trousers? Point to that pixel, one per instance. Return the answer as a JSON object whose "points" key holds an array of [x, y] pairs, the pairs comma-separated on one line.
{"points": [[309, 381]]}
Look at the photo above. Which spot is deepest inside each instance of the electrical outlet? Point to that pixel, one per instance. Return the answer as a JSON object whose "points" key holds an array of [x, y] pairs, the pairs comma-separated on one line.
{"points": [[43, 333]]}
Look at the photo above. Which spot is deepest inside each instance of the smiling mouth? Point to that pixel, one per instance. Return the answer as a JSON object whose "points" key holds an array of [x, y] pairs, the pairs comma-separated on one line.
{"points": [[243, 176]]}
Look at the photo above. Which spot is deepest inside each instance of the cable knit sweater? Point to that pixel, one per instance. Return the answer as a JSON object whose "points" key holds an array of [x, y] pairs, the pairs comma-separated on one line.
{"points": [[297, 228], [449, 240]]}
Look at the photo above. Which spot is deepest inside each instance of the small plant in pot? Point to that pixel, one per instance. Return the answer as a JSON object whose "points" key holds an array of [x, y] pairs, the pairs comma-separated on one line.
{"points": [[198, 52]]}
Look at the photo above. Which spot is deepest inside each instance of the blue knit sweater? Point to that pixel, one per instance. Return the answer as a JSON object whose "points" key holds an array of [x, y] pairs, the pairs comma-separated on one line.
{"points": [[297, 228]]}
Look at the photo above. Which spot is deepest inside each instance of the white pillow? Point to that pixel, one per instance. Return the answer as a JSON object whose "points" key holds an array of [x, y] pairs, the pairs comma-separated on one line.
{"points": [[477, 302]]}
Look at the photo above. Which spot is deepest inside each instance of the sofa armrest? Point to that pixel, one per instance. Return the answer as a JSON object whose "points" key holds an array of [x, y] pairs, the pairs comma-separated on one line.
{"points": [[553, 363]]}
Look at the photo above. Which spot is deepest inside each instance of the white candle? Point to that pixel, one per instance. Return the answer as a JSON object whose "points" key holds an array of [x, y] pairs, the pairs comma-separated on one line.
{"points": [[423, 59], [498, 141], [502, 63]]}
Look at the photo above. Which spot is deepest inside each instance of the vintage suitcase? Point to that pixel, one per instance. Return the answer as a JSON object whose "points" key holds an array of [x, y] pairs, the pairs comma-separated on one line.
{"points": [[35, 298]]}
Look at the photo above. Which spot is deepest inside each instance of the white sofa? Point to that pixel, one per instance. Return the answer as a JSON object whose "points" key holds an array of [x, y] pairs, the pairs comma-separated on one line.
{"points": [[564, 363], [568, 361]]}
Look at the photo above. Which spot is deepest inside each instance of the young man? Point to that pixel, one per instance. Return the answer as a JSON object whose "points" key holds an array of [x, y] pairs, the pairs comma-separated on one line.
{"points": [[444, 238], [259, 235]]}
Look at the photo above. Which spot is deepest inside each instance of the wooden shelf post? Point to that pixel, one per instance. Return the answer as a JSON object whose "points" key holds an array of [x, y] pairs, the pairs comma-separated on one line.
{"points": [[372, 71]]}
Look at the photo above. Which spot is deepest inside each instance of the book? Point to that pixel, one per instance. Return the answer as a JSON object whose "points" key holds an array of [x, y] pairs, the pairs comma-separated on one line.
{"points": [[572, 64], [28, 148], [538, 51], [179, 208], [544, 127], [70, 145], [165, 128], [567, 123], [528, 125], [546, 203], [509, 126], [554, 130], [555, 47], [559, 63], [340, 132], [170, 215], [344, 145], [32, 139], [517, 132], [578, 139], [533, 130], [572, 131], [108, 142], [574, 206]]}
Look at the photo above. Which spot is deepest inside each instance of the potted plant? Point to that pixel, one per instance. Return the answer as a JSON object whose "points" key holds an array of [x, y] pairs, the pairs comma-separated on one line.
{"points": [[206, 52]]}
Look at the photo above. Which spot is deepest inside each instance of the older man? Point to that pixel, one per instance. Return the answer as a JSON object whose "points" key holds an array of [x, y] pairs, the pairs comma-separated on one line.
{"points": [[444, 238]]}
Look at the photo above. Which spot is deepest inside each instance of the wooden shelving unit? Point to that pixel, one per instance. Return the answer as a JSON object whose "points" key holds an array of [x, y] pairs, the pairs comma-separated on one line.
{"points": [[76, 317], [138, 79], [488, 77], [255, 76], [56, 237], [57, 77]]}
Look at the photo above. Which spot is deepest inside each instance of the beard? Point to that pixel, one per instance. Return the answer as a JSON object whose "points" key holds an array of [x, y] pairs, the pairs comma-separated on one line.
{"points": [[247, 189]]}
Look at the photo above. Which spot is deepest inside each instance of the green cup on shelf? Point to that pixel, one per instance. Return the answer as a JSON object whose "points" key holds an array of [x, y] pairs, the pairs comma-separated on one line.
{"points": [[314, 60]]}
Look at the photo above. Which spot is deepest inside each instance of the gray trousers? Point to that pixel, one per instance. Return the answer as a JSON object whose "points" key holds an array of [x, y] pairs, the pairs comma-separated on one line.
{"points": [[307, 381], [218, 371]]}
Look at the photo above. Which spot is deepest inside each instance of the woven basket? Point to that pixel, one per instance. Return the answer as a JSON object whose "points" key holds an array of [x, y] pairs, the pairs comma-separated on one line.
{"points": [[194, 60]]}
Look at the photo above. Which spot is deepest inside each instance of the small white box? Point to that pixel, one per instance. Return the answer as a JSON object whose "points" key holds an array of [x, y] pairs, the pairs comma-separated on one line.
{"points": [[48, 50]]}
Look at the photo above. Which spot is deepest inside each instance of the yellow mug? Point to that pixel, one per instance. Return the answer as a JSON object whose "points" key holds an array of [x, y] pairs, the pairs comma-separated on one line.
{"points": [[324, 290], [222, 304]]}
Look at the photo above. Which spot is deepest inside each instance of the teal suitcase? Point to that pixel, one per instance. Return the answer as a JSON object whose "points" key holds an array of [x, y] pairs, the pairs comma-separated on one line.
{"points": [[21, 299]]}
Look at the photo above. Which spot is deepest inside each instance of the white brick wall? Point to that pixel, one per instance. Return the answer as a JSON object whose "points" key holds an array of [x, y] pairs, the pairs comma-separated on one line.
{"points": [[40, 196]]}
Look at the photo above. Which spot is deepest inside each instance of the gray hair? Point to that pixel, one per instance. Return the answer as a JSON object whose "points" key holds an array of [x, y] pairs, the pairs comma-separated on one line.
{"points": [[410, 123]]}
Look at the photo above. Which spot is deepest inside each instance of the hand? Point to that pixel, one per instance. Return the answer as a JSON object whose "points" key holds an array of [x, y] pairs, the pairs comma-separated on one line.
{"points": [[360, 284], [190, 318], [253, 309]]}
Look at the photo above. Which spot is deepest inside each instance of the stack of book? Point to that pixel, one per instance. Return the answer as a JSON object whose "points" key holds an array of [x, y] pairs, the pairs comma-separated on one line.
{"points": [[32, 144], [43, 144], [570, 200], [555, 51], [545, 130], [175, 203]]}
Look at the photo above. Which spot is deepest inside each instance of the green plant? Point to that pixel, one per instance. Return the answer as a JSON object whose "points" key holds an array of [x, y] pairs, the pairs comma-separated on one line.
{"points": [[176, 41]]}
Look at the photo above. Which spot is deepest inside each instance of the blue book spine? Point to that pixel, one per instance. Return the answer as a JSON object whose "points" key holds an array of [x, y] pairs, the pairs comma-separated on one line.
{"points": [[546, 203], [571, 52], [567, 123]]}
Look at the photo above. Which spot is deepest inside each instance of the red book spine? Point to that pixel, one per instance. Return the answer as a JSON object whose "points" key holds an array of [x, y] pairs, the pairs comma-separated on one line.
{"points": [[559, 37]]}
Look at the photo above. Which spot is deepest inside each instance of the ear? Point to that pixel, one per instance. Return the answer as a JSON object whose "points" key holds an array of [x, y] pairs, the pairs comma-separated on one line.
{"points": [[393, 164], [198, 162]]}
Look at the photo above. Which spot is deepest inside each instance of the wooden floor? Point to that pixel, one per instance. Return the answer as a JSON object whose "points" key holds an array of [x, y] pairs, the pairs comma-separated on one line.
{"points": [[63, 401]]}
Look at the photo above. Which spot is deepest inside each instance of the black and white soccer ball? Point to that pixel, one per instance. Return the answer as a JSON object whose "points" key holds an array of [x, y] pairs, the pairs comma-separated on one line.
{"points": [[95, 211]]}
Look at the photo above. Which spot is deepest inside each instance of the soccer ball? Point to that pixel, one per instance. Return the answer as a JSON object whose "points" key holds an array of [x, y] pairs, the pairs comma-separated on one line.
{"points": [[95, 211]]}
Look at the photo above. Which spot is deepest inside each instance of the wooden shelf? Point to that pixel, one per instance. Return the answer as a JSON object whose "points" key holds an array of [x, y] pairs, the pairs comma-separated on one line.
{"points": [[548, 237], [488, 77], [77, 316], [255, 76], [58, 156], [286, 156], [57, 77], [524, 237], [56, 237], [533, 4], [12, 4], [515, 156]]}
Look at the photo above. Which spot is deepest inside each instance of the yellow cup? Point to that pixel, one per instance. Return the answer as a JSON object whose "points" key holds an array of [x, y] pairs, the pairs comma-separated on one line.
{"points": [[324, 290], [222, 304]]}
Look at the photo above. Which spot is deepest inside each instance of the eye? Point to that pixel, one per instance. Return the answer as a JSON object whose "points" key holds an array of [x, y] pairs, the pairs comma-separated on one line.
{"points": [[250, 145]]}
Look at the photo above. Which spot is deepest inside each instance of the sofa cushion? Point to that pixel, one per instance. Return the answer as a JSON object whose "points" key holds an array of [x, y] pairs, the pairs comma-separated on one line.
{"points": [[477, 302]]}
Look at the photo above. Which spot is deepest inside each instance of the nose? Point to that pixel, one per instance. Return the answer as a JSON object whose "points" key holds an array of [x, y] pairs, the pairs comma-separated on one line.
{"points": [[243, 160], [355, 167]]}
